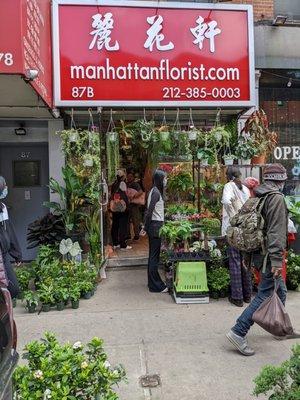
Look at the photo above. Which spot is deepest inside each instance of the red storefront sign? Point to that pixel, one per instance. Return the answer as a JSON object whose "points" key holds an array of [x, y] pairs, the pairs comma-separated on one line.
{"points": [[132, 53], [25, 42]]}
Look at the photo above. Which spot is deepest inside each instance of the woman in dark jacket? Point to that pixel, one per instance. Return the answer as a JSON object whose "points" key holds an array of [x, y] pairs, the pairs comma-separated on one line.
{"points": [[120, 220], [154, 220], [9, 246]]}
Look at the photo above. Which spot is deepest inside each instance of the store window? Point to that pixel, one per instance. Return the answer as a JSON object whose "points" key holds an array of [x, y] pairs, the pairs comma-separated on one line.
{"points": [[290, 8], [26, 173]]}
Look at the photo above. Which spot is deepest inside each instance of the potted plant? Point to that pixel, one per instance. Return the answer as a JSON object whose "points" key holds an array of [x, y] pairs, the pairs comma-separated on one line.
{"points": [[218, 281], [206, 156], [257, 126], [164, 133], [246, 149], [88, 160], [192, 133], [86, 289], [32, 300], [293, 271], [228, 159], [46, 296], [61, 296], [73, 135], [74, 295]]}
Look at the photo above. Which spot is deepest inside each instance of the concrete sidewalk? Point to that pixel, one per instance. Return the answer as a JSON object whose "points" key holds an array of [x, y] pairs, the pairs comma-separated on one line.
{"points": [[149, 333]]}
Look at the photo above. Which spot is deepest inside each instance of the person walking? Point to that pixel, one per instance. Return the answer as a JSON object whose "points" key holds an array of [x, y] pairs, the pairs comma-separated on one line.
{"points": [[119, 206], [275, 215], [154, 219], [9, 246], [235, 194]]}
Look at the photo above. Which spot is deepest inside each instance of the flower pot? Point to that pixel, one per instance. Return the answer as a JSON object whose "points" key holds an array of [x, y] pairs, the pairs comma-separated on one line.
{"points": [[214, 295], [228, 161], [223, 293], [73, 136], [60, 306], [46, 307], [204, 163], [87, 295], [31, 308], [14, 302], [164, 136], [66, 302], [20, 296], [259, 160], [112, 136], [192, 135], [75, 304], [245, 162]]}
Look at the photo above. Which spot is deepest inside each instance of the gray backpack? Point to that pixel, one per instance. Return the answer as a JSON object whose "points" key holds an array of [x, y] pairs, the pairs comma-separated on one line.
{"points": [[246, 232]]}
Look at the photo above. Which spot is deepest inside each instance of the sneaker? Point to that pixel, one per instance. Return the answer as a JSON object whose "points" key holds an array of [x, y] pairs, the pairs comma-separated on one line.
{"points": [[126, 248], [236, 302], [165, 290], [240, 343], [294, 335], [116, 247]]}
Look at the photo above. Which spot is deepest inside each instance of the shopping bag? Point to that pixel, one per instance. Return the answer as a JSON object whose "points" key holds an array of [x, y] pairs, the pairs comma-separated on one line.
{"points": [[272, 316]]}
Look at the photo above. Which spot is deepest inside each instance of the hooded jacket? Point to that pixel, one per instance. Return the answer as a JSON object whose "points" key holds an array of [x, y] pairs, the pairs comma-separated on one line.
{"points": [[275, 214]]}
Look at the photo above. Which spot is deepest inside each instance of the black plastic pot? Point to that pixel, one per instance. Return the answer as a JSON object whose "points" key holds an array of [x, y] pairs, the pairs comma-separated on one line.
{"points": [[214, 295], [66, 302], [87, 295], [46, 307], [75, 304], [60, 306], [31, 308], [223, 293]]}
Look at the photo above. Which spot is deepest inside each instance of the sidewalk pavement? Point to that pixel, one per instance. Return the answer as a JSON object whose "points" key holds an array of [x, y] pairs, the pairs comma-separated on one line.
{"points": [[149, 333]]}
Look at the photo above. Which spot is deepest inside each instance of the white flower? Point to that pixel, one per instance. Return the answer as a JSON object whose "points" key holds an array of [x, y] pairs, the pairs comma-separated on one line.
{"points": [[77, 345], [47, 394], [84, 365], [107, 364], [38, 374]]}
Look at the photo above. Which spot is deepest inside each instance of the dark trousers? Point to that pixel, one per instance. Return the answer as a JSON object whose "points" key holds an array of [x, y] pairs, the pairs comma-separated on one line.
{"points": [[13, 285], [155, 283], [135, 218], [265, 290], [119, 229], [240, 277]]}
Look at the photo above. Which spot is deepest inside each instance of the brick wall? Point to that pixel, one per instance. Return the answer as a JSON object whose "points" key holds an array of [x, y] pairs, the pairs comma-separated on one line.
{"points": [[263, 9]]}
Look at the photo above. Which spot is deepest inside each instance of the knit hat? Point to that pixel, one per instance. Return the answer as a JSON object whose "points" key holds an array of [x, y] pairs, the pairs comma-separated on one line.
{"points": [[251, 182], [274, 172]]}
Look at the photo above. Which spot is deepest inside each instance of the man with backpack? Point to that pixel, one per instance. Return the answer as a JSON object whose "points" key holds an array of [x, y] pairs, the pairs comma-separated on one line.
{"points": [[262, 227]]}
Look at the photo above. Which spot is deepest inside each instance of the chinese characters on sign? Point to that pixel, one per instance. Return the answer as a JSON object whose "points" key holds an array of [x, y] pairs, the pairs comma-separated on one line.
{"points": [[103, 28], [102, 31], [131, 54]]}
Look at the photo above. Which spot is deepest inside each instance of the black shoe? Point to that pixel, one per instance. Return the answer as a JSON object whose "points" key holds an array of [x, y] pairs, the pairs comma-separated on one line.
{"points": [[247, 300], [236, 302]]}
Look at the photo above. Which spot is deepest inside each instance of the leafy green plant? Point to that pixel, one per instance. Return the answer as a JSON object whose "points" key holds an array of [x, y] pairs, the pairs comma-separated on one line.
{"points": [[72, 197], [30, 298], [46, 230], [180, 181], [218, 279], [293, 271], [46, 293], [210, 226], [206, 154], [246, 148], [176, 230], [280, 382], [294, 208], [180, 209], [66, 371], [61, 294], [75, 292], [92, 225], [24, 275]]}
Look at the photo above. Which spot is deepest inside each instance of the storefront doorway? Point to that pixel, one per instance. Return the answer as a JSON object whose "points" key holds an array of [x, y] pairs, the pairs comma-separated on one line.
{"points": [[26, 170]]}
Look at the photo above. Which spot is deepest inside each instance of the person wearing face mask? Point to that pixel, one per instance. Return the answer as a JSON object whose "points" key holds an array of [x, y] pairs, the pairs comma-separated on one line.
{"points": [[275, 215], [9, 246], [154, 219]]}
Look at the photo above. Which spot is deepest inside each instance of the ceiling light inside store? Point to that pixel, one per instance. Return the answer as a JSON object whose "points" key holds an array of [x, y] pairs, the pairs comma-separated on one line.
{"points": [[280, 20], [289, 84]]}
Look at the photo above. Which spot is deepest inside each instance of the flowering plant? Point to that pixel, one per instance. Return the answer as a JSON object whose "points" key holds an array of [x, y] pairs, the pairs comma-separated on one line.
{"points": [[67, 371]]}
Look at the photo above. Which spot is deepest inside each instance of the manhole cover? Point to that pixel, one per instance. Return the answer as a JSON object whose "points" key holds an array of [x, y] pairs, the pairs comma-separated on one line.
{"points": [[150, 381]]}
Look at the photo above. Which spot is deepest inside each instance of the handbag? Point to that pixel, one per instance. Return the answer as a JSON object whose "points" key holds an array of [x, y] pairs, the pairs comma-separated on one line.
{"points": [[140, 200], [272, 316], [117, 204]]}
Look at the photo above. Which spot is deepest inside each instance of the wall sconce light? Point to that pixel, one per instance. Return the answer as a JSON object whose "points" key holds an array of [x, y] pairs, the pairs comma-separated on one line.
{"points": [[280, 20], [20, 131]]}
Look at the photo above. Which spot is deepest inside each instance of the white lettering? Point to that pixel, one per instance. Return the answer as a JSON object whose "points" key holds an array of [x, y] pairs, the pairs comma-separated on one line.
{"points": [[205, 31], [155, 37], [286, 151], [296, 152], [278, 153], [103, 26]]}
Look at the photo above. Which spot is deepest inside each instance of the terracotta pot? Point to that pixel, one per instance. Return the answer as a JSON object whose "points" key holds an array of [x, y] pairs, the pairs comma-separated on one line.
{"points": [[259, 160]]}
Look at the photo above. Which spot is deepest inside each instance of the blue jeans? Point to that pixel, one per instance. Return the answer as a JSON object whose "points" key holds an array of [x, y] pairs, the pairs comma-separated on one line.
{"points": [[265, 289]]}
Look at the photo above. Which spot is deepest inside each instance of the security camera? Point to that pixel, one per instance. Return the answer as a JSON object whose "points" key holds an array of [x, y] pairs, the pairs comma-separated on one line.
{"points": [[55, 113], [31, 75]]}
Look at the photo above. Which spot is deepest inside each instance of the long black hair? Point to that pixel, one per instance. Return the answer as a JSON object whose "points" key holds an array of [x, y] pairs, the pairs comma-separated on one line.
{"points": [[234, 174], [158, 180]]}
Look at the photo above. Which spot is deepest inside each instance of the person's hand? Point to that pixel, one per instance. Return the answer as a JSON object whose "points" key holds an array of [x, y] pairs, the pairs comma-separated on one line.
{"points": [[18, 263], [276, 272]]}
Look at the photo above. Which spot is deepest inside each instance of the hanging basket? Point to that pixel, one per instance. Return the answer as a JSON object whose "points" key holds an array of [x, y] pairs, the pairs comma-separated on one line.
{"points": [[192, 135], [73, 136], [112, 136], [228, 161], [164, 136]]}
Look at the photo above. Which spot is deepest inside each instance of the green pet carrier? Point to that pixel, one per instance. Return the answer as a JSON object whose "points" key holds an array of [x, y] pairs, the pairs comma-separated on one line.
{"points": [[190, 282]]}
